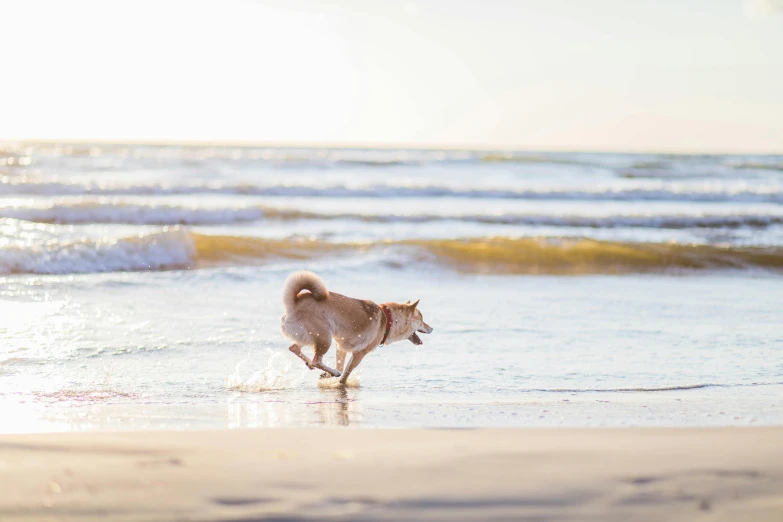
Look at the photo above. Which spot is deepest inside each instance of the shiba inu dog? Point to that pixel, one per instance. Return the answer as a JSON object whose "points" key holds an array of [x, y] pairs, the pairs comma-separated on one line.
{"points": [[314, 316]]}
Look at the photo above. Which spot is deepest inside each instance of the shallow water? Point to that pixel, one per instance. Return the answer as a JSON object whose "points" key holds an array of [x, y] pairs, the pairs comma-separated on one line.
{"points": [[140, 287]]}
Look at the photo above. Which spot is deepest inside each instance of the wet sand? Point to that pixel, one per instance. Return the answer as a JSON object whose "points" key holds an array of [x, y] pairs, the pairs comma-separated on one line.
{"points": [[353, 474]]}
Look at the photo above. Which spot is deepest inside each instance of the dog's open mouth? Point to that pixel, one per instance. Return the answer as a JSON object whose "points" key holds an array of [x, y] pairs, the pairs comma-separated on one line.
{"points": [[415, 339]]}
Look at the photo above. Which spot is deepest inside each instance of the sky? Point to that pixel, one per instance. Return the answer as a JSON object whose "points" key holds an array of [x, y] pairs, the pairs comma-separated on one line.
{"points": [[617, 75]]}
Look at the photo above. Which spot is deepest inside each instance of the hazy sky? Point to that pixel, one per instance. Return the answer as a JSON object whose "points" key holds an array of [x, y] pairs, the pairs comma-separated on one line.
{"points": [[661, 75]]}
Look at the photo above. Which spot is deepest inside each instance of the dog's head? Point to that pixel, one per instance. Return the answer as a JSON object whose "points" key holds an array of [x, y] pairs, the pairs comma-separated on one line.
{"points": [[415, 321]]}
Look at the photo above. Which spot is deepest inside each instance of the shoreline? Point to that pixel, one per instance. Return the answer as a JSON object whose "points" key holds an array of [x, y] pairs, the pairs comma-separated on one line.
{"points": [[404, 474], [428, 146]]}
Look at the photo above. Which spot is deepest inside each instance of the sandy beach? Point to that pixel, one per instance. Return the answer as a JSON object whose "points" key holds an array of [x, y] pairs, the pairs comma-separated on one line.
{"points": [[345, 474]]}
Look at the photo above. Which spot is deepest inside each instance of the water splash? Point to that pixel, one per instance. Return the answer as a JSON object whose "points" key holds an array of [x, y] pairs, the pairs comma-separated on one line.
{"points": [[278, 374], [334, 383]]}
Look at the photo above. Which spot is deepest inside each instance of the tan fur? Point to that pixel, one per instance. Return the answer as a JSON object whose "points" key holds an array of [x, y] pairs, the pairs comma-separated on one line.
{"points": [[317, 316], [299, 281]]}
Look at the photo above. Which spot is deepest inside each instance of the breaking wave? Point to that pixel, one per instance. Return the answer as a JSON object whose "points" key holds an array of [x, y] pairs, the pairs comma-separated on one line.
{"points": [[179, 248], [768, 165], [131, 213], [589, 256], [151, 214], [166, 250], [764, 194]]}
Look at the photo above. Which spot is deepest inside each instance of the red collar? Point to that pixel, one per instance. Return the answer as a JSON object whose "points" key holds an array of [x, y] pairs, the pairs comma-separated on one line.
{"points": [[387, 313]]}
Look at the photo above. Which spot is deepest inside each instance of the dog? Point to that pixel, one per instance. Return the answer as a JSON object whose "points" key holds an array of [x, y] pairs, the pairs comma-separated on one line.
{"points": [[314, 316]]}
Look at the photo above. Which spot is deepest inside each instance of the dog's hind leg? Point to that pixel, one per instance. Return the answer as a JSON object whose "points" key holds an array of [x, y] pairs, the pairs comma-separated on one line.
{"points": [[356, 358], [321, 347], [297, 350]]}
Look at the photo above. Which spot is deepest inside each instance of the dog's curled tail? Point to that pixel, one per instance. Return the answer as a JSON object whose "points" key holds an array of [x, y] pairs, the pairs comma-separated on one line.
{"points": [[299, 281]]}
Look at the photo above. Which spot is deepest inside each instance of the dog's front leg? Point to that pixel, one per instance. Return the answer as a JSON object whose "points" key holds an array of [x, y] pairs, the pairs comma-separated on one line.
{"points": [[339, 362], [356, 358], [320, 350]]}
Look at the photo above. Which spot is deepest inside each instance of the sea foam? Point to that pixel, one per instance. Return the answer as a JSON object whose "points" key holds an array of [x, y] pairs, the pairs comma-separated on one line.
{"points": [[716, 192], [169, 249], [84, 212]]}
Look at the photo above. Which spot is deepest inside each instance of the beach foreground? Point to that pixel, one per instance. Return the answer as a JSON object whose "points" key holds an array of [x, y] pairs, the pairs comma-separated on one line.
{"points": [[482, 474]]}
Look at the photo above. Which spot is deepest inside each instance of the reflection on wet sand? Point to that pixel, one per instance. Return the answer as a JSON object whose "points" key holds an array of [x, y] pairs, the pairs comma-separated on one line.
{"points": [[342, 410], [331, 407]]}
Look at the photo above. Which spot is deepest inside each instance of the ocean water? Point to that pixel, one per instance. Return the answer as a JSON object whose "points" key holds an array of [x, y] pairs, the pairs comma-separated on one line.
{"points": [[140, 286]]}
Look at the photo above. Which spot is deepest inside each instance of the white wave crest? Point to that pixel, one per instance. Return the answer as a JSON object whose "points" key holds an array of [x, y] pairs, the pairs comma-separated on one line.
{"points": [[107, 211], [169, 249], [762, 194], [641, 221], [140, 214], [144, 214], [611, 221]]}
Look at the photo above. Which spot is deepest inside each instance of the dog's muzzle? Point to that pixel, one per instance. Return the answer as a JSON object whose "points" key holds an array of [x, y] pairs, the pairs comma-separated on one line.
{"points": [[415, 339]]}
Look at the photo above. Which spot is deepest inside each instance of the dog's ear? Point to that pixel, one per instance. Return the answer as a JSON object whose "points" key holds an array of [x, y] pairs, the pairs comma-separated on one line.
{"points": [[408, 301], [414, 305]]}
